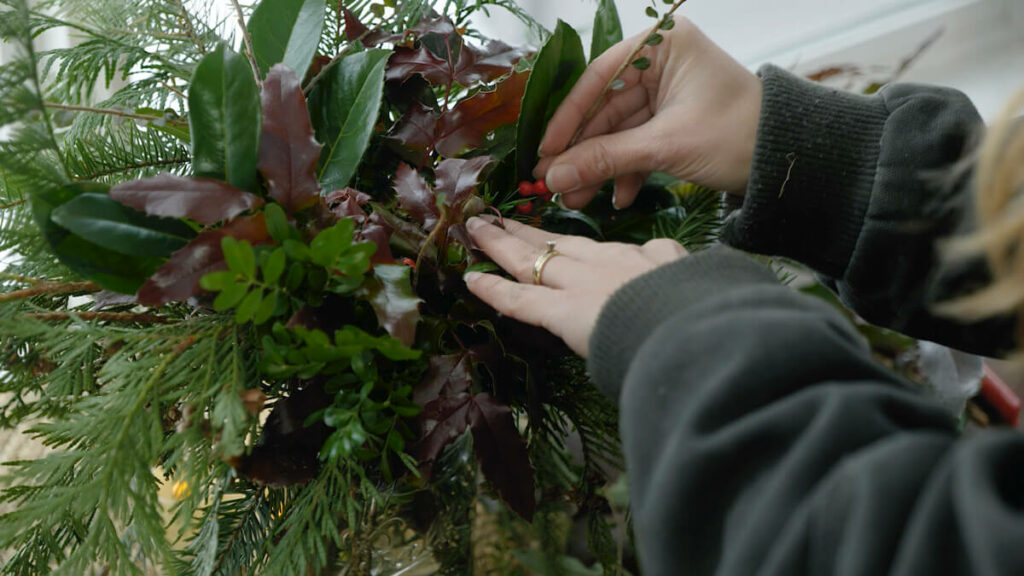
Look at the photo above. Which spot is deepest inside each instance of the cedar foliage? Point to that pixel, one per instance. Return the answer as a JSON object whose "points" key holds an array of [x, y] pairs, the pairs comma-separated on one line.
{"points": [[319, 406]]}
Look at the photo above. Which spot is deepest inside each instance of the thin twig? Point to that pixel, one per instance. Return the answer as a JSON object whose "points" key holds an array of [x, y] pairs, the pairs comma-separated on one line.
{"points": [[188, 26], [106, 111], [177, 92], [622, 69], [22, 279], [137, 166], [12, 204], [120, 317], [49, 288], [248, 42]]}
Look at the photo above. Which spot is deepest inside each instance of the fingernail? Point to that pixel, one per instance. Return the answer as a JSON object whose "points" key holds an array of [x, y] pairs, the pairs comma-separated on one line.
{"points": [[471, 276], [474, 223], [563, 178], [615, 201], [540, 151]]}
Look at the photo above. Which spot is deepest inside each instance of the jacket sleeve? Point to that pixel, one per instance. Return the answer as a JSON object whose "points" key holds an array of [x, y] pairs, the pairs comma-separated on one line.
{"points": [[861, 189], [762, 439]]}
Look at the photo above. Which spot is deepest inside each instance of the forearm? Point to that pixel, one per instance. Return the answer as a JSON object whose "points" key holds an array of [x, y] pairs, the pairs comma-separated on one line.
{"points": [[862, 189]]}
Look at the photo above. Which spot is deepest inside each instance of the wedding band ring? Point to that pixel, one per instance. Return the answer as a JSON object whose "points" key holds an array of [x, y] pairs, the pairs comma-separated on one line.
{"points": [[542, 261]]}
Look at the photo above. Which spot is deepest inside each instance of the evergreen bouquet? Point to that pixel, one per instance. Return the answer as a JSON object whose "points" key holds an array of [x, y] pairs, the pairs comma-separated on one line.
{"points": [[239, 273]]}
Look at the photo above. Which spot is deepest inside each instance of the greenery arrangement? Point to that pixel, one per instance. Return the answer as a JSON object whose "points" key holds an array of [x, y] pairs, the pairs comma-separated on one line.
{"points": [[239, 274]]}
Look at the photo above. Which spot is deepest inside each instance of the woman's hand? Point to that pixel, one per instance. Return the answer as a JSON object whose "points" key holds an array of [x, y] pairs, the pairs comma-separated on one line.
{"points": [[692, 114], [575, 284]]}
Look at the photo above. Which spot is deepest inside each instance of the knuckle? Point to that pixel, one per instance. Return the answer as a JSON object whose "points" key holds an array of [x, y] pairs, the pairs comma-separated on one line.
{"points": [[601, 160]]}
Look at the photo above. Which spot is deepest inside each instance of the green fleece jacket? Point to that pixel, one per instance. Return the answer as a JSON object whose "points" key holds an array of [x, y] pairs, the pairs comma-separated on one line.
{"points": [[760, 436]]}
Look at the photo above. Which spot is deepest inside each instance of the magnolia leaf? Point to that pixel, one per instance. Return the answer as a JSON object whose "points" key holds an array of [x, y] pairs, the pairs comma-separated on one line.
{"points": [[502, 453], [178, 279], [345, 104], [106, 222], [449, 376], [286, 31], [607, 28], [559, 65], [394, 301], [287, 453], [415, 196], [204, 200], [111, 270], [457, 178], [466, 125], [288, 151], [224, 119]]}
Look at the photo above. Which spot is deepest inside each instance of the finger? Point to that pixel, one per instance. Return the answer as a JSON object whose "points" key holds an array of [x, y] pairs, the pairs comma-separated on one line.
{"points": [[588, 89], [620, 107], [636, 120], [627, 187], [518, 257], [534, 305], [664, 250], [593, 161], [580, 198], [573, 246]]}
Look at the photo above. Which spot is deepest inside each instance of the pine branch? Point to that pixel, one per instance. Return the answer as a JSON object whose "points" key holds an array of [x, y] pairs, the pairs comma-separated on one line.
{"points": [[50, 289], [187, 19], [119, 317]]}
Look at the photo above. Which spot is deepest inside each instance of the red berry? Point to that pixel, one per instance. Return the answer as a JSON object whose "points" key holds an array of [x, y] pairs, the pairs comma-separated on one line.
{"points": [[526, 189], [541, 188], [409, 262], [524, 208]]}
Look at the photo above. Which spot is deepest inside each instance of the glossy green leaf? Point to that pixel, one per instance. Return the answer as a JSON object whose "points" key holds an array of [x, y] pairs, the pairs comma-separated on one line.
{"points": [[277, 224], [558, 67], [286, 31], [607, 28], [344, 107], [224, 118], [106, 222], [274, 267], [230, 296], [217, 281], [330, 243], [265, 311], [111, 270], [239, 256], [248, 306]]}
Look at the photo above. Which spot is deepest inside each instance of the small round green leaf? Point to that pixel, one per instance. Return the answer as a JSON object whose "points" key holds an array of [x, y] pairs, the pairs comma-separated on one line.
{"points": [[274, 267], [654, 39], [642, 63], [248, 307], [266, 309], [239, 256], [277, 223], [217, 281], [652, 12], [667, 24], [230, 296]]}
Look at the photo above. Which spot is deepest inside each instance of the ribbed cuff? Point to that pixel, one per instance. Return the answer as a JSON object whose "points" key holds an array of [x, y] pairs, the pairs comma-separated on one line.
{"points": [[812, 175], [639, 307]]}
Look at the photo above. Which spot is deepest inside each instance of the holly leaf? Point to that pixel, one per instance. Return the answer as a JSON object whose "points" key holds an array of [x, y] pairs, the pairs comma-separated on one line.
{"points": [[457, 178], [441, 422], [178, 279], [288, 151], [356, 30], [394, 301], [415, 196], [556, 70], [465, 126], [376, 230], [416, 130], [347, 203], [224, 119], [345, 104], [111, 270], [288, 451], [204, 200], [449, 376], [607, 28], [502, 453], [286, 31], [106, 222]]}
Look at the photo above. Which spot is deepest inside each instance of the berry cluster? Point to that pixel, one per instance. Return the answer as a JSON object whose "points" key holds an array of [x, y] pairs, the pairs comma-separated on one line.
{"points": [[536, 190]]}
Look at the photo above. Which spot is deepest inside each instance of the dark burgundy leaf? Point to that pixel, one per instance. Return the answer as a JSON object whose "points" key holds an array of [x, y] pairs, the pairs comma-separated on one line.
{"points": [[441, 422], [288, 150], [204, 200], [415, 196], [457, 178], [407, 235], [502, 453], [105, 299], [395, 303], [417, 128], [288, 450], [449, 376], [355, 30], [178, 279], [376, 230], [347, 203], [435, 24], [405, 95], [485, 64], [466, 125]]}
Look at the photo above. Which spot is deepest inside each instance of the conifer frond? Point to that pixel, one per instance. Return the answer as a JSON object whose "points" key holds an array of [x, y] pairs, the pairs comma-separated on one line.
{"points": [[699, 227]]}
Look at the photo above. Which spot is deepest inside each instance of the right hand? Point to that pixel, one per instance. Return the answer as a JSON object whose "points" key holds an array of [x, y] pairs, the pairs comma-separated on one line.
{"points": [[692, 114]]}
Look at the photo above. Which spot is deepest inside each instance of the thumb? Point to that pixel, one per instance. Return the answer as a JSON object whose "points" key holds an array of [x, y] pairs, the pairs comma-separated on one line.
{"points": [[591, 162]]}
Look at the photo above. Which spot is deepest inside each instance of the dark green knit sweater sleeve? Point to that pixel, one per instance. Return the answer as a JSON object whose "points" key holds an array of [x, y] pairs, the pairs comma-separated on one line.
{"points": [[861, 189], [762, 439]]}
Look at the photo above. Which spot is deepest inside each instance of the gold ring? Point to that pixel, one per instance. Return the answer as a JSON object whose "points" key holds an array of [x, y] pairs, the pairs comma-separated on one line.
{"points": [[542, 261]]}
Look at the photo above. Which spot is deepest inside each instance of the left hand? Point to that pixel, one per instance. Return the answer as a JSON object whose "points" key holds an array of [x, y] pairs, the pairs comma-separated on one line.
{"points": [[575, 284]]}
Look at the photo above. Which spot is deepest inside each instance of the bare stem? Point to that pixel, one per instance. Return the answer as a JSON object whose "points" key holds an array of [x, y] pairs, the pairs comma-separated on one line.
{"points": [[189, 27], [248, 42], [106, 111], [120, 317], [12, 204], [49, 288], [621, 70]]}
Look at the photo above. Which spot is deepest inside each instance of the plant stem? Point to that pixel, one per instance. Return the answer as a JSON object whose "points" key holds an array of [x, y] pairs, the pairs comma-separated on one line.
{"points": [[121, 317], [49, 288], [248, 42], [12, 204], [107, 111], [622, 69], [188, 26], [139, 165]]}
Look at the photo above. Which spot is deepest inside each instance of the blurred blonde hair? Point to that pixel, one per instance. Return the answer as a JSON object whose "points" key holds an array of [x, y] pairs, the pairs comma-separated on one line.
{"points": [[998, 184]]}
